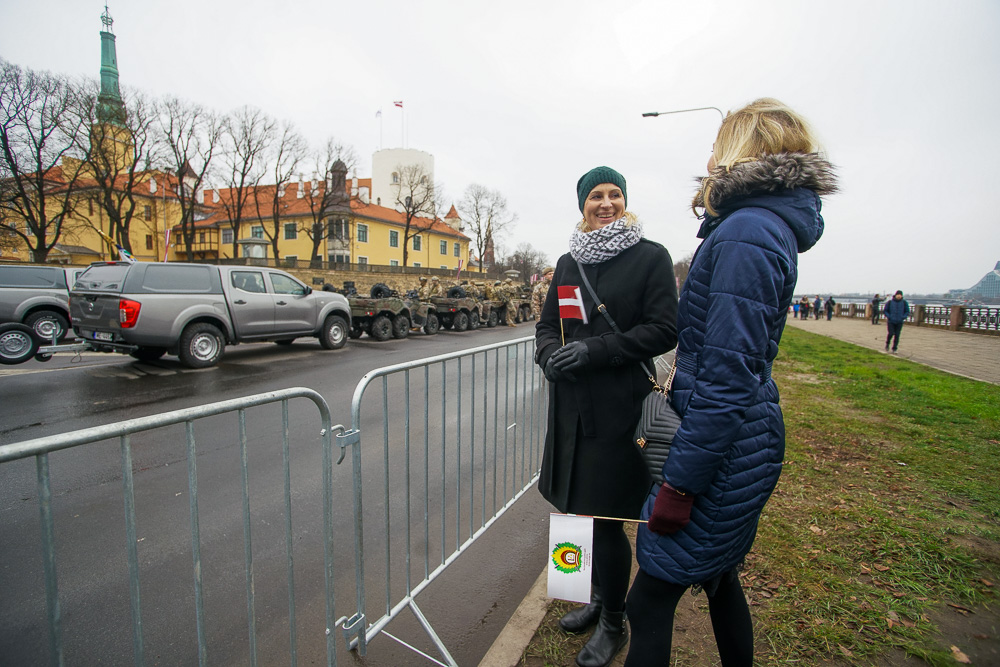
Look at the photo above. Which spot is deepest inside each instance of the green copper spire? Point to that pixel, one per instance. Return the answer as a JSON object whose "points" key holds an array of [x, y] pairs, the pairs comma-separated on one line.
{"points": [[110, 108]]}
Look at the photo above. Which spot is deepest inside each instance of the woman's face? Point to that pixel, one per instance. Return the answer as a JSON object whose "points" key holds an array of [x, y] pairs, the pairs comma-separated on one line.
{"points": [[604, 205]]}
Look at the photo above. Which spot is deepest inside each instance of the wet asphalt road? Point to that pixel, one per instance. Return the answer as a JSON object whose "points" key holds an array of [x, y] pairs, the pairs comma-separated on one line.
{"points": [[467, 605]]}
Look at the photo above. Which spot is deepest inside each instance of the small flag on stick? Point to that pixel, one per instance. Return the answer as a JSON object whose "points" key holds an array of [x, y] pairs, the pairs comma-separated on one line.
{"points": [[571, 303], [571, 558], [399, 103]]}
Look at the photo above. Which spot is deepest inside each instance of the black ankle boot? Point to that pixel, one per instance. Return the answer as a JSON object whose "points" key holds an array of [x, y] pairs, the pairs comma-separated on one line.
{"points": [[583, 617], [609, 638]]}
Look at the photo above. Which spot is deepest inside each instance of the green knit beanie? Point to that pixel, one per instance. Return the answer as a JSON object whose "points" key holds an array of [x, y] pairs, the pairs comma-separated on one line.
{"points": [[595, 177]]}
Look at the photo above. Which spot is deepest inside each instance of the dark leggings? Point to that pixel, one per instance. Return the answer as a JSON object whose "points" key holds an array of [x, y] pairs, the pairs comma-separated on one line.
{"points": [[651, 606], [612, 562]]}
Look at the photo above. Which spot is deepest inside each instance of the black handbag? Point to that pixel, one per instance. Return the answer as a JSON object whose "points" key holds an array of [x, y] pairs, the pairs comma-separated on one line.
{"points": [[659, 421]]}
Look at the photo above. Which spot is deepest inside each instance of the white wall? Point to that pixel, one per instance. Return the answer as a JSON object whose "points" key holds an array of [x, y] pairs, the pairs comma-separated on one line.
{"points": [[385, 162]]}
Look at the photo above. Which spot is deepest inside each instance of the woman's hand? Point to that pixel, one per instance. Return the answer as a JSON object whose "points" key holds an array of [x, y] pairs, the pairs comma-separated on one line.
{"points": [[570, 357], [553, 374], [671, 511]]}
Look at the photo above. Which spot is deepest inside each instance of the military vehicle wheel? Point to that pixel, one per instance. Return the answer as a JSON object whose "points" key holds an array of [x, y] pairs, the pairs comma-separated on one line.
{"points": [[380, 291], [17, 343], [333, 335], [525, 313], [456, 292], [491, 319], [48, 324], [148, 353], [355, 332], [201, 345], [446, 321], [400, 326], [461, 321], [381, 328], [432, 325], [474, 321]]}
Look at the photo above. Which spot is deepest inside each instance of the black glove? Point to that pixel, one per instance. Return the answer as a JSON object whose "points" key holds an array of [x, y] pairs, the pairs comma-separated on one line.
{"points": [[571, 356], [553, 374]]}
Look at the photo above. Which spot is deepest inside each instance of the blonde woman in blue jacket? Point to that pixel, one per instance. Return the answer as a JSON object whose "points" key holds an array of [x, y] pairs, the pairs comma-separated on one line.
{"points": [[761, 204]]}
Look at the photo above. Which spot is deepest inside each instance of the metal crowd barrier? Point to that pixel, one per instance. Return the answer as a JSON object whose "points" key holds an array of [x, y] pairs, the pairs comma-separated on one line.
{"points": [[461, 437], [40, 449]]}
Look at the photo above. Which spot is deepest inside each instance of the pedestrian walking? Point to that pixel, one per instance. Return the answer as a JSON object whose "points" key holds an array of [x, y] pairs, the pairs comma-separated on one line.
{"points": [[761, 202], [829, 306], [818, 307], [896, 312], [795, 310], [876, 310], [589, 465]]}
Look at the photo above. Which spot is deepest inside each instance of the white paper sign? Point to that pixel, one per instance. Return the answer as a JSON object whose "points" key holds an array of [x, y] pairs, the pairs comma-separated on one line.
{"points": [[571, 556]]}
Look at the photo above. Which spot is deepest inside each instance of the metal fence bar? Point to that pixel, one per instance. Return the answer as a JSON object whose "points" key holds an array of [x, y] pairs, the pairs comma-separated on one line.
{"points": [[131, 540], [247, 538], [49, 559], [286, 465], [40, 448], [454, 477]]}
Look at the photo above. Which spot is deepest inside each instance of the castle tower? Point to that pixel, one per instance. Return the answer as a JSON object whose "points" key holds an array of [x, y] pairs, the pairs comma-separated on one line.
{"points": [[110, 108]]}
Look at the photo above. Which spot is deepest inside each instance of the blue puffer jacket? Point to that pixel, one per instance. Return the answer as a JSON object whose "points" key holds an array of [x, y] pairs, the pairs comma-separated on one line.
{"points": [[728, 451], [896, 311]]}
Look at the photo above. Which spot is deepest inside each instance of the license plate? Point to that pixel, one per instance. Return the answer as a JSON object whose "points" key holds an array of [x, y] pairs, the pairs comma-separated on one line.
{"points": [[104, 335]]}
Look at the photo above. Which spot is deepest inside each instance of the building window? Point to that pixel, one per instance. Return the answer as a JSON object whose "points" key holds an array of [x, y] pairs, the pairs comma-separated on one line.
{"points": [[362, 260], [458, 250], [443, 266], [149, 241], [341, 259], [227, 236], [393, 239], [147, 212], [291, 231], [338, 229], [201, 237], [362, 234], [393, 262], [395, 178], [256, 232], [444, 247], [417, 264], [416, 243]]}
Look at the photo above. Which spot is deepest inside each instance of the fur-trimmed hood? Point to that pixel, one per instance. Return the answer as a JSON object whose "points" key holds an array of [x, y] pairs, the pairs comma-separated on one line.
{"points": [[789, 184]]}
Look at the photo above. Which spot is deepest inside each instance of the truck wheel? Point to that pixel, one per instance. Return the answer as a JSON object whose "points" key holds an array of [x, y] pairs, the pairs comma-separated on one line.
{"points": [[201, 345], [333, 335], [446, 321], [148, 353], [456, 292], [380, 291], [432, 325], [48, 323], [491, 319], [356, 332], [381, 328], [461, 321], [17, 343], [400, 326], [525, 313], [473, 321]]}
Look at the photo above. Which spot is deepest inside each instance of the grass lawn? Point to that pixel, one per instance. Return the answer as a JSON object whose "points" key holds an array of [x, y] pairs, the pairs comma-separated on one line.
{"points": [[882, 539]]}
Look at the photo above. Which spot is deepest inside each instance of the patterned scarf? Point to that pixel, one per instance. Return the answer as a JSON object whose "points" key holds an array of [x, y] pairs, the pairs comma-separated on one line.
{"points": [[602, 244]]}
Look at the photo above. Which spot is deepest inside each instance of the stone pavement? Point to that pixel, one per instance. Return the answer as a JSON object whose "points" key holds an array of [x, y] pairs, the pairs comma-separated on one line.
{"points": [[971, 355], [975, 356]]}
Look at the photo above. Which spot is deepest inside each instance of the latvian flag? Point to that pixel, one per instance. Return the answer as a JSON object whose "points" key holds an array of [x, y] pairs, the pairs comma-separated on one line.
{"points": [[571, 303]]}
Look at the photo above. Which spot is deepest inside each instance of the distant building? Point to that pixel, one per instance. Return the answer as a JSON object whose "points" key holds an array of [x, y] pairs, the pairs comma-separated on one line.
{"points": [[987, 288]]}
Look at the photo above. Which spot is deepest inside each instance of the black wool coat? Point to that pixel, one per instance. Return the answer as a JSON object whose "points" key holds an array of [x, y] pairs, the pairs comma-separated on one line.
{"points": [[589, 464]]}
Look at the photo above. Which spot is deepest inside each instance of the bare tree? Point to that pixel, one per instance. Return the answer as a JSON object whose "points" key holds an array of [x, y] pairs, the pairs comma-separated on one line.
{"points": [[191, 134], [681, 268], [40, 127], [419, 198], [327, 195], [247, 135], [525, 260], [288, 151], [115, 156], [486, 214]]}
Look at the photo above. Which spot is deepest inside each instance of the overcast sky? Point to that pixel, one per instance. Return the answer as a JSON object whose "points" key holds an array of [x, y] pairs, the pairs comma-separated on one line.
{"points": [[525, 96]]}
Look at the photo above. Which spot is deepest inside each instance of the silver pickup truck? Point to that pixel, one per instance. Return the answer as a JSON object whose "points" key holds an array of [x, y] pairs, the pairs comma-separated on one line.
{"points": [[194, 310], [37, 296]]}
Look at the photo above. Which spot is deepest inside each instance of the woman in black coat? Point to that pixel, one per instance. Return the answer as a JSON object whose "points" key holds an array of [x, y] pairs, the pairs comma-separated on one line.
{"points": [[590, 465]]}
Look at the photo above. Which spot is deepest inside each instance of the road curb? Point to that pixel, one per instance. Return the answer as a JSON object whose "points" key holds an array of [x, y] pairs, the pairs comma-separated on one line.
{"points": [[506, 651]]}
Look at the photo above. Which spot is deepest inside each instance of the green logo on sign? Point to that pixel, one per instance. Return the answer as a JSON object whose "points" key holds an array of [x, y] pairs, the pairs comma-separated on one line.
{"points": [[566, 557]]}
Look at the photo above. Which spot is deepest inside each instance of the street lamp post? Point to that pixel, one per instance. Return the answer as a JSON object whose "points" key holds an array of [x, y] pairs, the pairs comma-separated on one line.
{"points": [[651, 114]]}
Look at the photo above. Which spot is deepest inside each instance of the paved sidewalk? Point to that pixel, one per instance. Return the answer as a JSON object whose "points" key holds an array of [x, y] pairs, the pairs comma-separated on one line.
{"points": [[971, 355]]}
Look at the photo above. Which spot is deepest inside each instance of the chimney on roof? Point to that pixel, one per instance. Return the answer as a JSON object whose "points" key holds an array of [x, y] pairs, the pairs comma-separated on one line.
{"points": [[152, 185], [200, 196], [354, 186], [363, 194], [215, 196]]}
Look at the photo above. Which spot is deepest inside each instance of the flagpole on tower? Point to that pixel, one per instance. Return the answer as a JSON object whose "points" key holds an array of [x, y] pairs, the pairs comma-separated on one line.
{"points": [[402, 119]]}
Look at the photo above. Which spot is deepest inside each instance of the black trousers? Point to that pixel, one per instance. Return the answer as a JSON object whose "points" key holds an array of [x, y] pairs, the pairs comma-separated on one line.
{"points": [[875, 315], [651, 605], [893, 335]]}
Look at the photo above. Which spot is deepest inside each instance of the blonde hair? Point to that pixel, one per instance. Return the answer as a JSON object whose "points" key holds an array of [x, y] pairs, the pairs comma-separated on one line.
{"points": [[763, 127], [630, 219]]}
